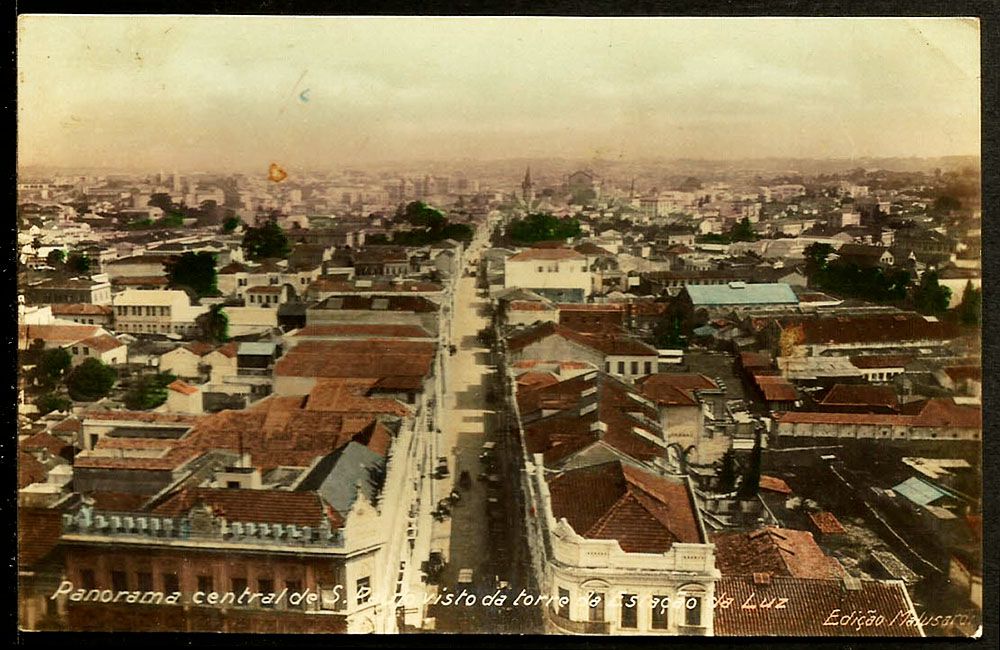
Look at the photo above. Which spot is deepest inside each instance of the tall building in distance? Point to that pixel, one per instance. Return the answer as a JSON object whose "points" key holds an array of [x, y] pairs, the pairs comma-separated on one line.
{"points": [[527, 188]]}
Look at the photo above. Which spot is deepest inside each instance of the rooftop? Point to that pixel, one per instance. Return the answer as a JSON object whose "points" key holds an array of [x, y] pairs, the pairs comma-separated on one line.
{"points": [[643, 512], [532, 254], [775, 551], [740, 293]]}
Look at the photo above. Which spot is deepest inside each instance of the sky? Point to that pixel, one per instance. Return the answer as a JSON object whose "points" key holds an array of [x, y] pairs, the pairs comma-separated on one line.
{"points": [[207, 92]]}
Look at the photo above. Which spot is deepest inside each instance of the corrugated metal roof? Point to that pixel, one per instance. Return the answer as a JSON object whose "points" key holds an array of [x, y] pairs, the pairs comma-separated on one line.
{"points": [[738, 293], [919, 492]]}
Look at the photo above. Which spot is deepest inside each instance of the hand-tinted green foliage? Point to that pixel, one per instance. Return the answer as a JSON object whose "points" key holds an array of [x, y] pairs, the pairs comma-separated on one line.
{"points": [[847, 279], [231, 224], [55, 258], [213, 325], [51, 366], [91, 380], [51, 402], [195, 271], [741, 231], [78, 263], [542, 227], [432, 227], [970, 309], [148, 392], [267, 240], [728, 472], [929, 297]]}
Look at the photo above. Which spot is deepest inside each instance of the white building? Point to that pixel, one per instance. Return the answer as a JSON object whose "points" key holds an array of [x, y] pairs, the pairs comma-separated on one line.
{"points": [[155, 311], [558, 274]]}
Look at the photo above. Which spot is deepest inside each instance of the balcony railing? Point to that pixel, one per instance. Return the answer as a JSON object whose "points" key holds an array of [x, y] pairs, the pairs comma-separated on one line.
{"points": [[577, 627], [141, 525]]}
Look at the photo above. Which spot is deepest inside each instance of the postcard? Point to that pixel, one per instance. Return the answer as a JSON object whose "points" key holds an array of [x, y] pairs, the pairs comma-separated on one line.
{"points": [[569, 326]]}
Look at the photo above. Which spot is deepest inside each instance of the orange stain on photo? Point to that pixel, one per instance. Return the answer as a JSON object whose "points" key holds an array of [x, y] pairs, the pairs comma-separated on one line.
{"points": [[276, 173]]}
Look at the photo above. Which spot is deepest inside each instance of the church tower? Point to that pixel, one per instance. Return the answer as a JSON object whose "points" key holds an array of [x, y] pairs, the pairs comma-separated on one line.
{"points": [[528, 188]]}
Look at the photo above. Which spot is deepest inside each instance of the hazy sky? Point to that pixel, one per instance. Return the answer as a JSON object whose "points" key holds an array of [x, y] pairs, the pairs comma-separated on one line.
{"points": [[224, 93]]}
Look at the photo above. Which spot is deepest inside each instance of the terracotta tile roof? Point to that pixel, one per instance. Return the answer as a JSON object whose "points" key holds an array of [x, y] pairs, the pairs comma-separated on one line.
{"points": [[567, 431], [546, 254], [269, 506], [871, 328], [81, 309], [348, 395], [807, 604], [645, 513], [182, 387], [141, 281], [860, 395], [605, 343], [529, 305], [672, 389], [775, 388], [69, 425], [38, 532], [870, 361], [415, 304], [754, 360], [42, 440], [139, 416], [562, 365], [326, 284], [537, 379], [228, 349], [380, 255], [373, 358], [937, 412], [588, 248], [265, 289], [774, 484], [102, 343], [826, 523], [166, 463], [369, 330], [29, 470], [775, 551], [55, 335]]}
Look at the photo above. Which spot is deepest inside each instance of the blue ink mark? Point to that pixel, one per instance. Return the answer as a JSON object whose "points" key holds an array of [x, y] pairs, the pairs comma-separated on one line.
{"points": [[304, 95]]}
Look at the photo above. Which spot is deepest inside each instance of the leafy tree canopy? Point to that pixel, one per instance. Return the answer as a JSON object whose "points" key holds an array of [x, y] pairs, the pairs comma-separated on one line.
{"points": [[51, 402], [929, 297], [542, 227], [91, 380], [148, 392], [970, 309], [193, 270], [78, 263], [55, 258], [268, 240], [213, 325], [51, 366]]}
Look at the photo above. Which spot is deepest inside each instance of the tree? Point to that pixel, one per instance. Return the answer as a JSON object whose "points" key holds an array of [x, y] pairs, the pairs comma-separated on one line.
{"points": [[970, 309], [743, 231], [79, 263], [161, 200], [55, 258], [542, 227], [148, 392], [816, 256], [52, 402], [929, 297], [51, 366], [231, 224], [193, 270], [751, 480], [266, 241], [213, 325], [91, 380], [727, 473]]}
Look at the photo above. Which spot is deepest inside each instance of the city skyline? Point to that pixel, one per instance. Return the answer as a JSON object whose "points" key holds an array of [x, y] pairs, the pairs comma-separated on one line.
{"points": [[237, 92]]}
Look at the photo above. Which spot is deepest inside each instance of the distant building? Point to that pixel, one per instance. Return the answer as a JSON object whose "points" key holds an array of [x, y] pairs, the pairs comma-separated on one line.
{"points": [[91, 291], [559, 274], [164, 311]]}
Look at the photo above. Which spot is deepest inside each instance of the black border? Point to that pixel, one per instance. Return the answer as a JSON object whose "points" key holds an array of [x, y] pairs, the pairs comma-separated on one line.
{"points": [[986, 10]]}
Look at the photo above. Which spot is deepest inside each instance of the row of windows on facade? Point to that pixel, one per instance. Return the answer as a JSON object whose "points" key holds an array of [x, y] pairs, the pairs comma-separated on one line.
{"points": [[554, 268], [264, 299], [155, 328], [170, 582], [634, 367], [142, 311], [629, 611]]}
